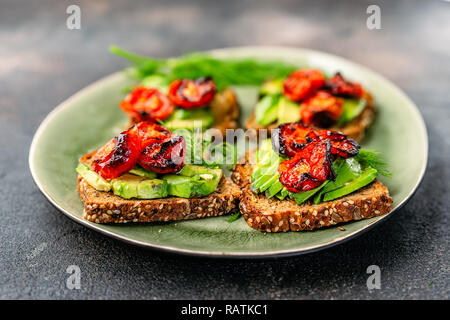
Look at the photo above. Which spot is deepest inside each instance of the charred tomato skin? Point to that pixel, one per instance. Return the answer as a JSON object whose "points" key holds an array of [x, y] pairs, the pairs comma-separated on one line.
{"points": [[151, 132], [165, 156], [309, 168], [118, 156], [291, 138], [192, 93], [338, 86], [147, 104], [321, 109], [341, 145], [302, 83]]}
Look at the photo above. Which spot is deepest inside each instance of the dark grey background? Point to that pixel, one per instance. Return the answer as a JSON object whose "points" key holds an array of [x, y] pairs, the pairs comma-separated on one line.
{"points": [[42, 63]]}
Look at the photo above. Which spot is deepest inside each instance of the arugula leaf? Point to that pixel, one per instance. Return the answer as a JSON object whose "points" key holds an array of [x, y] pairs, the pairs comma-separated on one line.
{"points": [[225, 72], [372, 158]]}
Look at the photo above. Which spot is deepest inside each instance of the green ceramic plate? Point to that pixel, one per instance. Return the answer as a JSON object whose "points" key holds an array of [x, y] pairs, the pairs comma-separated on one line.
{"points": [[89, 118]]}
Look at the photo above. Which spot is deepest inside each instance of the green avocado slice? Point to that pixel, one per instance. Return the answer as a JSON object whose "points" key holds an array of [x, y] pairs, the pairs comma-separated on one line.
{"points": [[190, 119], [266, 110], [364, 179], [288, 111], [91, 177], [130, 186]]}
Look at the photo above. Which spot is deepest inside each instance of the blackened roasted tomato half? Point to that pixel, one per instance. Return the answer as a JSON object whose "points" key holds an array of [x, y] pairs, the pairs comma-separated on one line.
{"points": [[338, 86], [164, 156], [292, 137], [147, 104], [151, 133], [302, 83], [192, 93], [321, 110], [341, 146], [309, 168], [119, 155]]}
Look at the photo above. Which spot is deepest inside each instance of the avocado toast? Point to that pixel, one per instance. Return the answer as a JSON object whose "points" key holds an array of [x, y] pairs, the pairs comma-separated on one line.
{"points": [[309, 179], [307, 96], [142, 175]]}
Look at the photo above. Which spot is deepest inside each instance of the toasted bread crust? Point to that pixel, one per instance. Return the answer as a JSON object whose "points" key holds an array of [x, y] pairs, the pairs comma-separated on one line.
{"points": [[354, 129], [274, 215], [106, 207]]}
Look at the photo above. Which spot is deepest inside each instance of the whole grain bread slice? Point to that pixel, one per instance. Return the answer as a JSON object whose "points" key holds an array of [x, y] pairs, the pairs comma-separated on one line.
{"points": [[355, 129], [106, 207], [274, 215]]}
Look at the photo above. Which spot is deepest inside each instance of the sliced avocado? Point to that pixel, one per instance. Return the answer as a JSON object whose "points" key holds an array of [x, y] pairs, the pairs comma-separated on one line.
{"points": [[266, 110], [91, 177], [269, 182], [193, 181], [364, 179], [131, 186], [156, 81], [190, 119], [288, 111], [139, 171], [274, 189], [272, 87], [352, 109], [301, 197]]}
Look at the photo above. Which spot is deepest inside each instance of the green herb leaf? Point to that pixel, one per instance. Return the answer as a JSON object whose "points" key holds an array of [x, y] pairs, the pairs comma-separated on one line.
{"points": [[372, 158], [225, 72], [234, 217]]}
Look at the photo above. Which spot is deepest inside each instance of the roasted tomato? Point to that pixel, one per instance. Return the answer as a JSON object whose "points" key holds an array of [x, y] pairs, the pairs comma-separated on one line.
{"points": [[164, 156], [321, 110], [302, 83], [151, 132], [147, 104], [338, 86], [309, 168], [291, 138], [341, 146], [188, 93], [118, 156]]}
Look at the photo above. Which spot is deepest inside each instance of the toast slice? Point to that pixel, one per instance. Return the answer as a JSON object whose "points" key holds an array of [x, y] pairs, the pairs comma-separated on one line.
{"points": [[354, 129], [106, 207], [225, 109], [274, 215]]}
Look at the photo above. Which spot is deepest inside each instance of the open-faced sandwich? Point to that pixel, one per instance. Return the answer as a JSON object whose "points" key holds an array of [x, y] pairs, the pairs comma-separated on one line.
{"points": [[306, 178], [142, 175], [306, 96], [182, 104]]}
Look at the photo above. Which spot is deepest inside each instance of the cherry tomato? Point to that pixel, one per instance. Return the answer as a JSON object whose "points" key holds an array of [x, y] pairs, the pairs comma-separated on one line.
{"points": [[118, 156], [309, 168], [341, 146], [147, 104], [338, 86], [150, 133], [188, 93], [291, 138], [321, 110], [164, 156], [302, 83]]}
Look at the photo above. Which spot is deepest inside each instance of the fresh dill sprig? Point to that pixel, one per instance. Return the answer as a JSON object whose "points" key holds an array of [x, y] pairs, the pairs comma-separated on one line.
{"points": [[225, 72], [372, 158]]}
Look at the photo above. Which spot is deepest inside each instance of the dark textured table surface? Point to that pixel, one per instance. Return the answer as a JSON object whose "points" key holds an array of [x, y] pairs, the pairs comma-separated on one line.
{"points": [[42, 63]]}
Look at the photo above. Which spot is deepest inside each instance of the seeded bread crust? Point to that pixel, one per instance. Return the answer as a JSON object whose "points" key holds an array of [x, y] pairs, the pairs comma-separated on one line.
{"points": [[354, 129], [105, 207], [225, 109], [274, 215]]}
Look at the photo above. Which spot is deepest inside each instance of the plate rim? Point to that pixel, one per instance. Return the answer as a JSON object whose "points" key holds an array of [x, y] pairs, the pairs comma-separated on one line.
{"points": [[239, 255]]}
